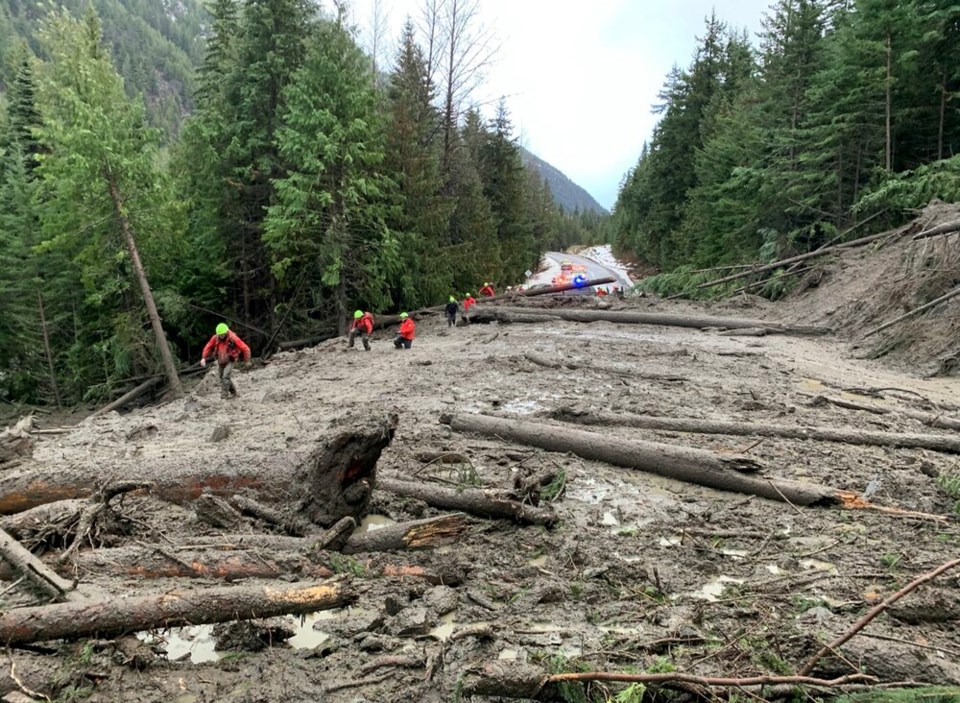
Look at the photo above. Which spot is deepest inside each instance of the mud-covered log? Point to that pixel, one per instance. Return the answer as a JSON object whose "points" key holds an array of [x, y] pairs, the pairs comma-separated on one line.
{"points": [[50, 520], [16, 442], [167, 561], [655, 318], [36, 571], [105, 618], [475, 501], [334, 481], [616, 370], [129, 396], [930, 419], [940, 443], [506, 317], [698, 466], [418, 534]]}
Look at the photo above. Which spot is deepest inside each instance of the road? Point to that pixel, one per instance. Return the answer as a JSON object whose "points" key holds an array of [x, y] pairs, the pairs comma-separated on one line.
{"points": [[593, 269]]}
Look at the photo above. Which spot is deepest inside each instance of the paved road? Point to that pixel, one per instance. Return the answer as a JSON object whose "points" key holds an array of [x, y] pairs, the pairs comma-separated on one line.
{"points": [[593, 269]]}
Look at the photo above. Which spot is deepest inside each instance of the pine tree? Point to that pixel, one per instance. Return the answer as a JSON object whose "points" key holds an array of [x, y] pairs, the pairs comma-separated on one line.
{"points": [[328, 225], [100, 160]]}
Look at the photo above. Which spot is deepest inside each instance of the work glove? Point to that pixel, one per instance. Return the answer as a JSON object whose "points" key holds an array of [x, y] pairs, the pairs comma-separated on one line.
{"points": [[203, 363]]}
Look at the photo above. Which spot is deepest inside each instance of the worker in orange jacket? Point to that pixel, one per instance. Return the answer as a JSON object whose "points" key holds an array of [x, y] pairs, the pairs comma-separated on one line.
{"points": [[404, 338], [468, 302], [227, 348], [362, 325], [487, 290]]}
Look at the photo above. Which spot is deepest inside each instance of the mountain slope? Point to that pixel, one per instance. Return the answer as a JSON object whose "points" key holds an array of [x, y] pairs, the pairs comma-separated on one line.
{"points": [[565, 192], [156, 45]]}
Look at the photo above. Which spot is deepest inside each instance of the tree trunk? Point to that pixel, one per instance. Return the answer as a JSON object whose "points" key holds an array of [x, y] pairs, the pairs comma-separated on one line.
{"points": [[168, 609], [470, 500], [34, 569], [159, 335], [418, 534], [665, 319], [939, 443], [704, 468], [945, 228], [129, 396], [888, 107], [335, 480], [929, 419], [616, 370], [794, 259], [48, 352]]}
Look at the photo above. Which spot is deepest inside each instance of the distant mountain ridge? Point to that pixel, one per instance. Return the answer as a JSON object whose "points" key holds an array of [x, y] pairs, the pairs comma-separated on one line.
{"points": [[565, 192]]}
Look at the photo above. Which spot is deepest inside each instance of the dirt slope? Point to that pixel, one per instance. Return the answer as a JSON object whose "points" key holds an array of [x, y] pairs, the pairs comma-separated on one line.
{"points": [[642, 571]]}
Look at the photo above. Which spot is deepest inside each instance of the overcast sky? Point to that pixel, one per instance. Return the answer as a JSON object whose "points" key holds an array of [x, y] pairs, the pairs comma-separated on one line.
{"points": [[580, 78]]}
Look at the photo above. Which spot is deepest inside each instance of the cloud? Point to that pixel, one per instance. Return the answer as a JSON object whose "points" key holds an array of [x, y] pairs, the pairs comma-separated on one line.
{"points": [[580, 79]]}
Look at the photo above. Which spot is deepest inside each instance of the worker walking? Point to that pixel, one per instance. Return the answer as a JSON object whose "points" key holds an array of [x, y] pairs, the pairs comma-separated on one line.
{"points": [[451, 312], [227, 348], [468, 302], [404, 338], [362, 325], [487, 290]]}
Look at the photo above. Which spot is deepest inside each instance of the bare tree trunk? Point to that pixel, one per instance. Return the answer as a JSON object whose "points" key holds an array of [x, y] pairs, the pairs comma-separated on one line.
{"points": [[168, 609], [26, 563], [46, 348], [159, 334], [938, 443], [888, 87], [696, 466], [943, 113]]}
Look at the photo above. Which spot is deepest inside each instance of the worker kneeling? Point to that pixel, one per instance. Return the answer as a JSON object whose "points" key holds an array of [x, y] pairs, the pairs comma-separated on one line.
{"points": [[404, 338]]}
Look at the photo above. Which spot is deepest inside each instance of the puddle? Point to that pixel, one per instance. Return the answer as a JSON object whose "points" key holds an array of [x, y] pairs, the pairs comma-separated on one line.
{"points": [[522, 407], [197, 642], [371, 523], [812, 385], [712, 590], [307, 637], [446, 627], [735, 553], [817, 565]]}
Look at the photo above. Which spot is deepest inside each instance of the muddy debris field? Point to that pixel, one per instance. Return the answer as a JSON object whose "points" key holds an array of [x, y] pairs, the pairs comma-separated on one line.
{"points": [[396, 550]]}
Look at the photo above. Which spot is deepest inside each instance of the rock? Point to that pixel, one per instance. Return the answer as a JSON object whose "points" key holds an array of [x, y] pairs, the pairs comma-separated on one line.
{"points": [[413, 622], [442, 599], [220, 433]]}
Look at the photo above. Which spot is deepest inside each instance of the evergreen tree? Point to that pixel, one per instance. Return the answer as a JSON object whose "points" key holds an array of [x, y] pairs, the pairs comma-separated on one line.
{"points": [[98, 182], [328, 225]]}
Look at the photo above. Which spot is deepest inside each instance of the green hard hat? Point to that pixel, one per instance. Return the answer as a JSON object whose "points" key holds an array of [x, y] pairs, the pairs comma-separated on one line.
{"points": [[358, 314], [452, 299], [468, 295], [404, 315], [222, 328]]}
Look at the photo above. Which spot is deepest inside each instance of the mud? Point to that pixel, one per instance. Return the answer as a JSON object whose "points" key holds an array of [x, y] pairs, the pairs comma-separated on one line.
{"points": [[642, 571]]}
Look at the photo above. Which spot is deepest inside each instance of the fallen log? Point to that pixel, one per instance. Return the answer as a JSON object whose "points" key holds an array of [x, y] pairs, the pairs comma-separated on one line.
{"points": [[939, 443], [168, 609], [16, 442], [698, 466], [529, 682], [470, 500], [129, 396], [504, 317], [664, 319], [556, 288], [945, 228], [309, 341], [916, 311], [629, 371], [167, 561], [335, 480], [418, 534], [929, 419], [796, 259], [35, 570]]}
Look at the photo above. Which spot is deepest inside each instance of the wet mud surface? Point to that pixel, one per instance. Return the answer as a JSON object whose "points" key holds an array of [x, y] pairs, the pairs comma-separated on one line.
{"points": [[642, 572]]}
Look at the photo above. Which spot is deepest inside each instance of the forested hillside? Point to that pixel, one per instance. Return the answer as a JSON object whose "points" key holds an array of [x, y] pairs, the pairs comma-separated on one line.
{"points": [[302, 185], [847, 111], [566, 193], [155, 44]]}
